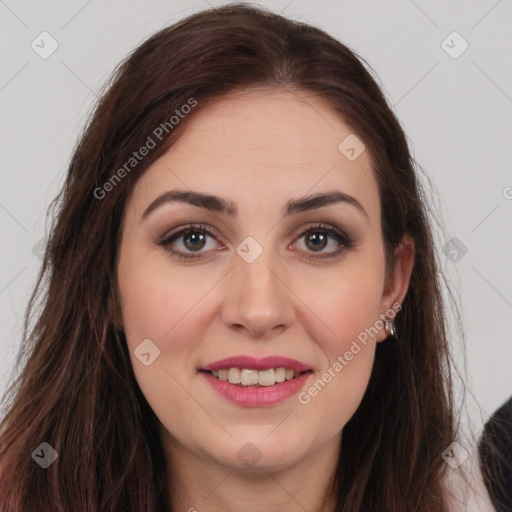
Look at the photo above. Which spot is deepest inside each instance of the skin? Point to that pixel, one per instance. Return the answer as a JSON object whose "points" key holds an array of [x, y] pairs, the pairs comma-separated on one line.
{"points": [[259, 149]]}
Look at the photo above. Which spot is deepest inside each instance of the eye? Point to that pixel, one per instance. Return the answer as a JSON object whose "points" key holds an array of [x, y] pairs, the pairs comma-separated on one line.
{"points": [[189, 241], [320, 237]]}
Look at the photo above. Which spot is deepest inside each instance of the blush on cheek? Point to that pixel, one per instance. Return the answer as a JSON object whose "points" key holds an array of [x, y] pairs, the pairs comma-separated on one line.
{"points": [[174, 319], [346, 321], [148, 305]]}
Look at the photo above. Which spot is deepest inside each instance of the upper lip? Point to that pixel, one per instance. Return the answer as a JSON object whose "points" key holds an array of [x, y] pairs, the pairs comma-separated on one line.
{"points": [[252, 363]]}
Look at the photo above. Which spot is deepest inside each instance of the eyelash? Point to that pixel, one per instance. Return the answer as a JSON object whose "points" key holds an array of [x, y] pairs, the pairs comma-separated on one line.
{"points": [[345, 241]]}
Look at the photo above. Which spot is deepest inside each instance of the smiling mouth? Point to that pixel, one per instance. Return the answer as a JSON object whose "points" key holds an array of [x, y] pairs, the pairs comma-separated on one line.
{"points": [[250, 378]]}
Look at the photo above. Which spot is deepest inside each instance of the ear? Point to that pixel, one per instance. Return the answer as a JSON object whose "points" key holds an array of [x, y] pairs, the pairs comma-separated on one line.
{"points": [[397, 283]]}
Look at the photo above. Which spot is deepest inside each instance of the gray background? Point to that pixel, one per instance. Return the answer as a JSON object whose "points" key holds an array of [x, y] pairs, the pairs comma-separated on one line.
{"points": [[456, 112]]}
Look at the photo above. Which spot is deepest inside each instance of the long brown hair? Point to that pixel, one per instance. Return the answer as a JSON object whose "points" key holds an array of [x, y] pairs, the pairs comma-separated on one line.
{"points": [[75, 388]]}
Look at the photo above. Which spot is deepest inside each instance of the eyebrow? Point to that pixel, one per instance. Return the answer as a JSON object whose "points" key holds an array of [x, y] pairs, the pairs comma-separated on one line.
{"points": [[220, 205]]}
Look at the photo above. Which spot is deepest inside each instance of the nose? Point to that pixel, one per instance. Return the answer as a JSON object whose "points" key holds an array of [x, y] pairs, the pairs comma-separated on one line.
{"points": [[257, 300]]}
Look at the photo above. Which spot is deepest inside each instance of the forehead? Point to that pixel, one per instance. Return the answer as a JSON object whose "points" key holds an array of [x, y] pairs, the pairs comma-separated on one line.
{"points": [[265, 145]]}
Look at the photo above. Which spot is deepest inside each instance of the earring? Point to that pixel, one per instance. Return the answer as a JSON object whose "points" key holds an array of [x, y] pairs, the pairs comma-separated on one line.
{"points": [[390, 328]]}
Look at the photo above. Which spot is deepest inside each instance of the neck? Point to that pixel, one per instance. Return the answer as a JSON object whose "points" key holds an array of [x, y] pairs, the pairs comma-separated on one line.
{"points": [[199, 483]]}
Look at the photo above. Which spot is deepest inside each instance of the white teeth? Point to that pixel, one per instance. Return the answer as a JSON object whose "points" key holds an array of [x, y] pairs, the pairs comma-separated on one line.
{"points": [[267, 378], [234, 376], [280, 374], [250, 377]]}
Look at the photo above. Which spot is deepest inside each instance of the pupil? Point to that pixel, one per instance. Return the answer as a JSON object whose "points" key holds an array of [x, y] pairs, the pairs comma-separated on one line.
{"points": [[192, 239], [316, 241]]}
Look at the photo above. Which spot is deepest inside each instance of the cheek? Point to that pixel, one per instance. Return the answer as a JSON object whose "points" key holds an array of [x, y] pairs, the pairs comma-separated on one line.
{"points": [[160, 305], [348, 308], [336, 391], [349, 314], [349, 350], [165, 308]]}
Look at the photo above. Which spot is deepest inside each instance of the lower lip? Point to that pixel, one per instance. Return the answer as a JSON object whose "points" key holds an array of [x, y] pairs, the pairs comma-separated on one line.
{"points": [[257, 397]]}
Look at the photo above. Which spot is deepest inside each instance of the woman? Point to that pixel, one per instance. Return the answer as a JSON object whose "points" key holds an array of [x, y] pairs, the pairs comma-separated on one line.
{"points": [[244, 308]]}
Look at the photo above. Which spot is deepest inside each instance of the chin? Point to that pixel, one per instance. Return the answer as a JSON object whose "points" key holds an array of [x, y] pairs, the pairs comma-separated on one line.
{"points": [[259, 452]]}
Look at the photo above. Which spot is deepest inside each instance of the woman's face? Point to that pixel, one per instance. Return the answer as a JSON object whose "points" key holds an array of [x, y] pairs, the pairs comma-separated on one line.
{"points": [[266, 271]]}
